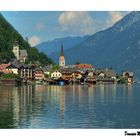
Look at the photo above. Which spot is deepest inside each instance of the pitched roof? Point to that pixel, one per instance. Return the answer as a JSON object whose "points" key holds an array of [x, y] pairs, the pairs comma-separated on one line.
{"points": [[62, 52], [87, 66], [18, 65], [39, 69], [23, 53], [12, 66], [4, 66], [128, 72], [110, 73]]}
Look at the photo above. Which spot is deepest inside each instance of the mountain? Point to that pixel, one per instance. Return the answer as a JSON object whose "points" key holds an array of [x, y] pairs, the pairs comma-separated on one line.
{"points": [[8, 35], [53, 46], [117, 46]]}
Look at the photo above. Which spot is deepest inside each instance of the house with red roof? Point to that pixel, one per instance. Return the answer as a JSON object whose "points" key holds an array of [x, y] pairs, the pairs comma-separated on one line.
{"points": [[84, 67], [3, 69]]}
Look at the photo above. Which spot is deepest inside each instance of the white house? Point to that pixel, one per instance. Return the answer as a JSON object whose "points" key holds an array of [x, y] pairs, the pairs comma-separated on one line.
{"points": [[56, 74], [13, 68], [101, 75]]}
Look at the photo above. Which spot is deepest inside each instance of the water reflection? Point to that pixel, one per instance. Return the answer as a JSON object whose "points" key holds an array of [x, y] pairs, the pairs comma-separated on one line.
{"points": [[98, 106]]}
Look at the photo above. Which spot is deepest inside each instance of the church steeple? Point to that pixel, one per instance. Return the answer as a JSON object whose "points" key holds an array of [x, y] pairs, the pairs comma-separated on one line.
{"points": [[62, 52], [61, 58]]}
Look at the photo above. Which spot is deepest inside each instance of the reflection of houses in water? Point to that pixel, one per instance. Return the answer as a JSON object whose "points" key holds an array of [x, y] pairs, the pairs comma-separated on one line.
{"points": [[5, 98], [40, 88], [127, 92], [90, 96], [107, 93], [77, 91], [56, 96], [25, 96], [62, 106], [22, 103], [26, 101], [15, 99]]}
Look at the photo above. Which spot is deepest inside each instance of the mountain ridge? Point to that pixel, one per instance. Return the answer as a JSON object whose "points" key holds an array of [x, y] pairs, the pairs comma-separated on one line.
{"points": [[53, 46], [117, 47], [8, 35]]}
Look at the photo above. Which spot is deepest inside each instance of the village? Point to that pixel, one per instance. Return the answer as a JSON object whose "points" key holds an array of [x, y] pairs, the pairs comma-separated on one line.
{"points": [[17, 72]]}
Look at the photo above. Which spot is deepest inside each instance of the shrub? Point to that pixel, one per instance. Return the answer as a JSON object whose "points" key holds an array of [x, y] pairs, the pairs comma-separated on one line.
{"points": [[9, 76]]}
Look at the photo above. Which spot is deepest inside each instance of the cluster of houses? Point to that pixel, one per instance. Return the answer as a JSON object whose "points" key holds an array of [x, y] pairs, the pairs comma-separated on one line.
{"points": [[26, 72], [65, 74], [87, 74]]}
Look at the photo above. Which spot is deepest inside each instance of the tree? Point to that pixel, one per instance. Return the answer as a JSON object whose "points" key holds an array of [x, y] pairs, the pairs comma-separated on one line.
{"points": [[8, 35]]}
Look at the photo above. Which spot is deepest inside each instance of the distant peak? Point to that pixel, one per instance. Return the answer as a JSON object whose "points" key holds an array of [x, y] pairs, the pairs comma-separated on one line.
{"points": [[127, 21], [135, 13]]}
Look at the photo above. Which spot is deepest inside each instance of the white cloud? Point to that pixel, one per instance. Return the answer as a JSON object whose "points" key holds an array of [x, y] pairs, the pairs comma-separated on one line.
{"points": [[76, 23], [34, 40], [39, 26], [114, 17]]}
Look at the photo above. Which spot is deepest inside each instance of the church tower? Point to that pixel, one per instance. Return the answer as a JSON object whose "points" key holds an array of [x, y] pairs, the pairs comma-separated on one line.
{"points": [[61, 58], [16, 49]]}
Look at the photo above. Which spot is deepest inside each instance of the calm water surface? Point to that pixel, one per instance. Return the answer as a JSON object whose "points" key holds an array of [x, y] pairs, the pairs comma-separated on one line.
{"points": [[42, 106]]}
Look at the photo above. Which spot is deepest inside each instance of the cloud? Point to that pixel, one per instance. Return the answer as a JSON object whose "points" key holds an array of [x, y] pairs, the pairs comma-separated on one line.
{"points": [[114, 17], [34, 40], [76, 23], [39, 26]]}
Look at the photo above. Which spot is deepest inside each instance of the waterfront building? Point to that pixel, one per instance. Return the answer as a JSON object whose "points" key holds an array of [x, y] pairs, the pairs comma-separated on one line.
{"points": [[56, 74], [90, 73], [3, 69], [110, 73], [66, 74], [128, 75], [39, 74], [105, 75], [77, 74], [24, 71], [61, 58], [13, 68]]}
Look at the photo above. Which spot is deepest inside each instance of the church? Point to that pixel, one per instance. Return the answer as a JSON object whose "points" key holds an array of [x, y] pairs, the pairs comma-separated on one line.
{"points": [[21, 55], [61, 58]]}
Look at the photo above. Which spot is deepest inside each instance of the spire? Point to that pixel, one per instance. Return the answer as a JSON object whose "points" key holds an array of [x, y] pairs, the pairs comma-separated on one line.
{"points": [[16, 42], [62, 52], [61, 58]]}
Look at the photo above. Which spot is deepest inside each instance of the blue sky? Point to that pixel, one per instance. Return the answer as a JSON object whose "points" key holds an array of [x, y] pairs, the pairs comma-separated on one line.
{"points": [[48, 25]]}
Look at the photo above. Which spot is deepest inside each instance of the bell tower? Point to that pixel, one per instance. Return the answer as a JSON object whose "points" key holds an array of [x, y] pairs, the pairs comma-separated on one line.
{"points": [[61, 58], [16, 49]]}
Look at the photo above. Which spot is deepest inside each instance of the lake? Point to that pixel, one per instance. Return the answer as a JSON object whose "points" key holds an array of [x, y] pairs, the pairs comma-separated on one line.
{"points": [[73, 106]]}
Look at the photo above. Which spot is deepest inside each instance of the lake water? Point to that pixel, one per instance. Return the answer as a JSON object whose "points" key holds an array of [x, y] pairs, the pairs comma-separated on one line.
{"points": [[75, 106]]}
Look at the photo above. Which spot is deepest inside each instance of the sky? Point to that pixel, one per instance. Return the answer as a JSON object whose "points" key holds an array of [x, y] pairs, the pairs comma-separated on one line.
{"points": [[41, 26]]}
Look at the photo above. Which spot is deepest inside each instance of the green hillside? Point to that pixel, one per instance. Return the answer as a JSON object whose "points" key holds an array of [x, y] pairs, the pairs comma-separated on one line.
{"points": [[7, 37]]}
